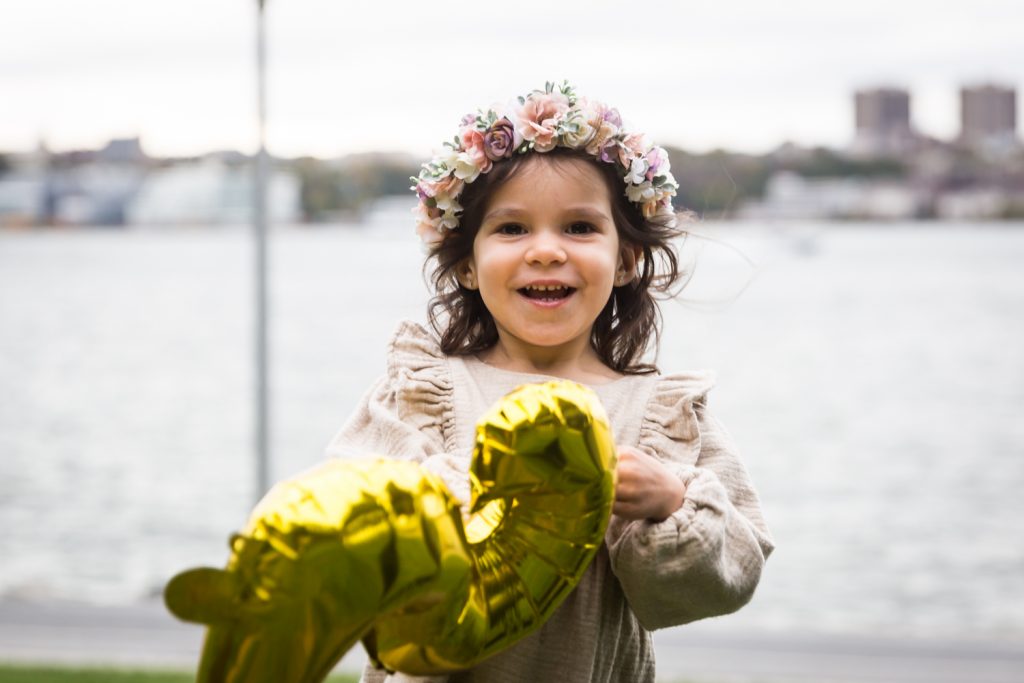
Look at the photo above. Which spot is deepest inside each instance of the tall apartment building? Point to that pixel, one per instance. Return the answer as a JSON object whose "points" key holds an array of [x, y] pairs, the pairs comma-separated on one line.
{"points": [[988, 116], [882, 117]]}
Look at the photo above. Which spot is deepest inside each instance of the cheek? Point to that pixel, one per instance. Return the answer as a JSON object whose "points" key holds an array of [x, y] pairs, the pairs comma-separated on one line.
{"points": [[493, 264], [489, 284], [604, 265]]}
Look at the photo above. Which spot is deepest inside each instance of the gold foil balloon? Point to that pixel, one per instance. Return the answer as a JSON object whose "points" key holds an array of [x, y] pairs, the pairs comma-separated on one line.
{"points": [[377, 551]]}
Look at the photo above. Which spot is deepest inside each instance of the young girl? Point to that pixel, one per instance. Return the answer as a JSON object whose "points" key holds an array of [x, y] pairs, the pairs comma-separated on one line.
{"points": [[550, 227]]}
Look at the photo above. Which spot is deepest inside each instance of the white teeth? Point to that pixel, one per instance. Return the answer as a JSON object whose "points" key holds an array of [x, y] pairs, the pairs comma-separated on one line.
{"points": [[545, 288]]}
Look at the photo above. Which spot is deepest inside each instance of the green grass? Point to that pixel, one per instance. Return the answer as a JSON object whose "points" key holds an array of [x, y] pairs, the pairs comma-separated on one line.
{"points": [[16, 673], [11, 673]]}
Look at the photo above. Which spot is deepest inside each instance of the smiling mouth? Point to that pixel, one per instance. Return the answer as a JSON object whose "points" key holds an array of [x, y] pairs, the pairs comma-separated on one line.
{"points": [[546, 292]]}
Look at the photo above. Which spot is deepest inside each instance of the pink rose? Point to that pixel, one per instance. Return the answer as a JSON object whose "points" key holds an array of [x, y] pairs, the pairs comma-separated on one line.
{"points": [[449, 185], [539, 117], [499, 140], [544, 140], [633, 146], [428, 224], [473, 144]]}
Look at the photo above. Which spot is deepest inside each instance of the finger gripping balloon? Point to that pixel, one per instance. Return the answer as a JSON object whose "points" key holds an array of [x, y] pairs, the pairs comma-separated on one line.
{"points": [[377, 550]]}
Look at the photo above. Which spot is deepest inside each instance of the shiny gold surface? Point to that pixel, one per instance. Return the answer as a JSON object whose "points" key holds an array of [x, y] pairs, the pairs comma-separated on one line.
{"points": [[377, 550]]}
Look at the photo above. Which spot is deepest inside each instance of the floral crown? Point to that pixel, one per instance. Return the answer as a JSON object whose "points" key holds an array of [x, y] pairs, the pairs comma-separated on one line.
{"points": [[540, 122]]}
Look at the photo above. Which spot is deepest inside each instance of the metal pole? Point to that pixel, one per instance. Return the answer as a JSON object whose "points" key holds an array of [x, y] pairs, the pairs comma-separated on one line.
{"points": [[262, 431]]}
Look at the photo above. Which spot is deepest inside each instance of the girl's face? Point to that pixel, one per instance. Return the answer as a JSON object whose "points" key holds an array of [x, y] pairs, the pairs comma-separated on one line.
{"points": [[547, 256]]}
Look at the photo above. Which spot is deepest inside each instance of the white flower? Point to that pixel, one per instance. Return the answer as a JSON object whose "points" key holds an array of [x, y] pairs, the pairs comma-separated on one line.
{"points": [[637, 171], [465, 168], [447, 158], [578, 131], [447, 204], [640, 192], [579, 134], [449, 221]]}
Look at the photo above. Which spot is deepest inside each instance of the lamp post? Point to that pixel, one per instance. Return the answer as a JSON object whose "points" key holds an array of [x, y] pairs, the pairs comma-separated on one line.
{"points": [[262, 431]]}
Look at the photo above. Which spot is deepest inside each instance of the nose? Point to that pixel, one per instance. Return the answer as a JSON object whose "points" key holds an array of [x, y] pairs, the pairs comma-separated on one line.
{"points": [[545, 249]]}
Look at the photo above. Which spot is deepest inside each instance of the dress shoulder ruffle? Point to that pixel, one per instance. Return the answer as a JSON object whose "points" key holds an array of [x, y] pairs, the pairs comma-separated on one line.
{"points": [[421, 379]]}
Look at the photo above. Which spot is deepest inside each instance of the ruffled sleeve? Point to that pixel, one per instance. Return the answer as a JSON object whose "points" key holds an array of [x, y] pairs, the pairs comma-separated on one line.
{"points": [[409, 412], [706, 558], [419, 375], [406, 413]]}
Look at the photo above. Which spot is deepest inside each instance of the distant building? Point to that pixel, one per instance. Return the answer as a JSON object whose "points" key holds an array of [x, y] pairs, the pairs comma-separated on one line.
{"points": [[973, 203], [790, 196], [24, 188], [79, 187], [988, 117], [882, 121], [123, 151], [211, 192]]}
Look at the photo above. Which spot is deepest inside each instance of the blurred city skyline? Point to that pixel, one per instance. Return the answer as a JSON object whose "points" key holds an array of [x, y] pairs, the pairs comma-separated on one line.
{"points": [[345, 78]]}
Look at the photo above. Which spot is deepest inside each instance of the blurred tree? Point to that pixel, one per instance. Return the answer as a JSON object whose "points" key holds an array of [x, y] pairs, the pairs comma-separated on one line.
{"points": [[348, 185], [827, 163], [714, 184], [319, 189], [379, 175]]}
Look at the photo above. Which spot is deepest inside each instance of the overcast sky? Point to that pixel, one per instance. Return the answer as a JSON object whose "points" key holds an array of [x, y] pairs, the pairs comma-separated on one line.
{"points": [[347, 76]]}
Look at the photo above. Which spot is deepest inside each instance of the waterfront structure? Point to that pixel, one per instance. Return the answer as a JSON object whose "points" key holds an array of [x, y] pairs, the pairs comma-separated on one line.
{"points": [[789, 196], [23, 187], [988, 118], [80, 187], [882, 121], [211, 191]]}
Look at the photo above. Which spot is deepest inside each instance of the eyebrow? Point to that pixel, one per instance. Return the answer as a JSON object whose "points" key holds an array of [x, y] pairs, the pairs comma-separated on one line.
{"points": [[582, 211]]}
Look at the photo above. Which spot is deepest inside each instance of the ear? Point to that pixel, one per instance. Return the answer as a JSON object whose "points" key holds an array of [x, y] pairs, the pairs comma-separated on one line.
{"points": [[629, 257], [465, 273]]}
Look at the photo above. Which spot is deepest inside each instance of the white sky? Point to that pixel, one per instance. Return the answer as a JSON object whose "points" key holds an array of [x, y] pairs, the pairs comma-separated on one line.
{"points": [[386, 75]]}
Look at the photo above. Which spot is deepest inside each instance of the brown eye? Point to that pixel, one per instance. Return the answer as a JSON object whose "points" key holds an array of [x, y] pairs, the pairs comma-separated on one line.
{"points": [[581, 228], [511, 229]]}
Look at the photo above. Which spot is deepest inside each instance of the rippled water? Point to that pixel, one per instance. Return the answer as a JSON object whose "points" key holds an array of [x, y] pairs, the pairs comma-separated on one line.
{"points": [[873, 376]]}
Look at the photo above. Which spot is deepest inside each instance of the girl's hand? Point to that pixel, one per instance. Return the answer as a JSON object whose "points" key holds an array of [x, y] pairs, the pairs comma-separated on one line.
{"points": [[646, 489]]}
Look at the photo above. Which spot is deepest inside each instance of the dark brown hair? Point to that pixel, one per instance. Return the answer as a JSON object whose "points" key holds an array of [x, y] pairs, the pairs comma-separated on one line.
{"points": [[625, 327]]}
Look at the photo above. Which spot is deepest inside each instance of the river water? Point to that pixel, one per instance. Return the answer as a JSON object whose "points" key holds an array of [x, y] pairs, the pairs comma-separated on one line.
{"points": [[872, 375]]}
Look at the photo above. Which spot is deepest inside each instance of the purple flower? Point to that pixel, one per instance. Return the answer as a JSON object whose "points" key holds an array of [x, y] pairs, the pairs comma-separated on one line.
{"points": [[656, 159], [499, 140], [611, 115]]}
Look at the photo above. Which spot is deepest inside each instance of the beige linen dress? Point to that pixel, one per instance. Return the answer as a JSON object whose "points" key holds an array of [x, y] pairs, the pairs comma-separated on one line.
{"points": [[704, 560]]}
